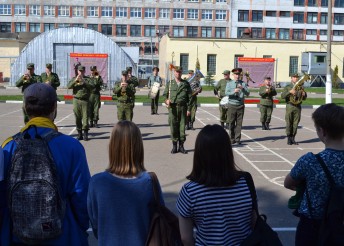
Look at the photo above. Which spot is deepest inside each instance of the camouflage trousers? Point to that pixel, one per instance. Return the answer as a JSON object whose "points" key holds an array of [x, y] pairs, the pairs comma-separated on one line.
{"points": [[193, 110], [93, 106], [265, 113], [155, 103], [80, 109], [292, 119], [235, 116], [177, 120], [223, 114], [125, 111]]}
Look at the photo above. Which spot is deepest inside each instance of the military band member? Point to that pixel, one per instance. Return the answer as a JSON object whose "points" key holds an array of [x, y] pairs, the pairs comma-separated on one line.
{"points": [[49, 77], [27, 79], [125, 93], [152, 79], [131, 78], [177, 97], [293, 111], [81, 91], [219, 92], [96, 82], [193, 100], [266, 92], [236, 90]]}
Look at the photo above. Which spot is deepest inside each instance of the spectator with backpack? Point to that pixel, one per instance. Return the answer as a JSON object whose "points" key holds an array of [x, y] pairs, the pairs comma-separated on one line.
{"points": [[316, 225], [46, 180], [120, 200]]}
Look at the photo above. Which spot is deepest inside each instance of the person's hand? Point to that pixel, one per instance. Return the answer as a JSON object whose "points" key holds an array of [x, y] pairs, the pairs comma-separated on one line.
{"points": [[292, 91], [303, 93], [237, 90], [239, 86], [124, 84], [48, 82], [188, 113]]}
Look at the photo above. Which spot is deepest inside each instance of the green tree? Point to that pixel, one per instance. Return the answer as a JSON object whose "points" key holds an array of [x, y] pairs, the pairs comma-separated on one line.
{"points": [[209, 79], [335, 78]]}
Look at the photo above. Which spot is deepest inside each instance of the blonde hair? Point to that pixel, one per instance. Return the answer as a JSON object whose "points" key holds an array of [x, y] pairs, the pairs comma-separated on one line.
{"points": [[126, 150]]}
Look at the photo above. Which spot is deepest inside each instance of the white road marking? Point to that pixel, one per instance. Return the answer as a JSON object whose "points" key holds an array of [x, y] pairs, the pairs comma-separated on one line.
{"points": [[57, 122], [12, 112]]}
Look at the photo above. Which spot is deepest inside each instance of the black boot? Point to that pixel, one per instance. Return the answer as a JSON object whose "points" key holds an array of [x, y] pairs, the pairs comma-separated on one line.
{"points": [[181, 148], [289, 140], [86, 135], [174, 149], [96, 124], [227, 126], [267, 126], [293, 140], [191, 126], [80, 137], [223, 124], [91, 124], [263, 126]]}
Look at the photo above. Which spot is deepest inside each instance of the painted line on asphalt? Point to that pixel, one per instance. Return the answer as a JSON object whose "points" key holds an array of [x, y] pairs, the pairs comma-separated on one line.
{"points": [[57, 122], [12, 112]]}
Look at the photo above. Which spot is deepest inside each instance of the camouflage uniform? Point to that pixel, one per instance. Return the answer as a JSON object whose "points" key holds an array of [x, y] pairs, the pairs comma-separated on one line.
{"points": [[266, 105], [53, 78], [125, 104], [94, 102], [154, 102], [219, 90]]}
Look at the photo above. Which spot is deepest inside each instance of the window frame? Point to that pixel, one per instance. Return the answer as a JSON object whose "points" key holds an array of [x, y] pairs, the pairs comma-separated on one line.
{"points": [[121, 12], [93, 11], [121, 30], [211, 63], [19, 9], [192, 14], [107, 11], [178, 13], [5, 9], [137, 31], [150, 13], [243, 15], [35, 10], [207, 30], [257, 15], [63, 11], [135, 12], [164, 13], [77, 11], [221, 14]]}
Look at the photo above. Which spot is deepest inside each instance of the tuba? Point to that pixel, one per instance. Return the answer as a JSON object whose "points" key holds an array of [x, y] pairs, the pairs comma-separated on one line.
{"points": [[298, 87], [195, 83]]}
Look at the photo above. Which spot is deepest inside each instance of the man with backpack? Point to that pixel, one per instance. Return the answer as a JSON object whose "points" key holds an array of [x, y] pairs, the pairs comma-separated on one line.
{"points": [[46, 179]]}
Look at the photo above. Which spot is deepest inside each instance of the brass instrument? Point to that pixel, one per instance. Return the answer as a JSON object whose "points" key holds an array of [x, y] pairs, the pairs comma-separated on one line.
{"points": [[195, 83], [299, 89], [27, 77], [96, 74], [248, 78], [124, 89]]}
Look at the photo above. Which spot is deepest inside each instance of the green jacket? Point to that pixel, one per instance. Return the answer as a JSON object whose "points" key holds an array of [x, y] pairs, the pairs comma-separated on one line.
{"points": [[96, 84], [286, 94], [53, 78], [25, 83], [267, 97], [80, 90], [178, 94], [133, 80], [220, 88], [125, 96]]}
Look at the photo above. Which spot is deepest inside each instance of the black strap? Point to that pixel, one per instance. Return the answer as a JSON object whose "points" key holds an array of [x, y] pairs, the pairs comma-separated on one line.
{"points": [[327, 172], [252, 189], [155, 183]]}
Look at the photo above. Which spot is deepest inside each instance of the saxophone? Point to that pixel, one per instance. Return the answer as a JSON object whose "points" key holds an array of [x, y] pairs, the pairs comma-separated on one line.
{"points": [[299, 89]]}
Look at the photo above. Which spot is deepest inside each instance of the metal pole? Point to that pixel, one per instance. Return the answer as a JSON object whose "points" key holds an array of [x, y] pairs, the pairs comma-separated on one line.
{"points": [[328, 55], [152, 51]]}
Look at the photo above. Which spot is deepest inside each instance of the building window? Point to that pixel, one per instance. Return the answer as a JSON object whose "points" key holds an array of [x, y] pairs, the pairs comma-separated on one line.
{"points": [[323, 18], [20, 27], [164, 13], [221, 15], [267, 56], [78, 11], [323, 32], [207, 1], [312, 3], [220, 32], [284, 13], [312, 18], [5, 9], [121, 30], [135, 12], [184, 62], [338, 33], [150, 31], [271, 13], [149, 48], [192, 31], [121, 12], [206, 32], [324, 3], [106, 29], [149, 13], [270, 33], [19, 9], [178, 31], [121, 44], [35, 27], [207, 14], [163, 29], [49, 10], [5, 27], [178, 13], [299, 2], [338, 19], [339, 3], [211, 64], [243, 15], [78, 25], [256, 32], [93, 26], [240, 32], [193, 1], [193, 14], [49, 26], [135, 31], [63, 10], [298, 34], [221, 1], [236, 60], [283, 33], [92, 11], [298, 17], [106, 11], [62, 25], [311, 32], [35, 10], [293, 64], [257, 16]]}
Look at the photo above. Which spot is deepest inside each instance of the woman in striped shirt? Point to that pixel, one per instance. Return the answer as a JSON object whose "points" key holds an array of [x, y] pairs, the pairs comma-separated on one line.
{"points": [[216, 200]]}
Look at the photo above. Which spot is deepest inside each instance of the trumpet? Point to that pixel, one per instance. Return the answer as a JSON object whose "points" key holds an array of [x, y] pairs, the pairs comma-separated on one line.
{"points": [[26, 77], [96, 74], [124, 88]]}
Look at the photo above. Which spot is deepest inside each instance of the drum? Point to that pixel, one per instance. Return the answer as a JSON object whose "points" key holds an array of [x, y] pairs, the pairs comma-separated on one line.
{"points": [[224, 102], [154, 90]]}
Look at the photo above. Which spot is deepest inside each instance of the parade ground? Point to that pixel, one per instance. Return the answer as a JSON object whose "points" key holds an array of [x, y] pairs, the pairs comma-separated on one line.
{"points": [[265, 154]]}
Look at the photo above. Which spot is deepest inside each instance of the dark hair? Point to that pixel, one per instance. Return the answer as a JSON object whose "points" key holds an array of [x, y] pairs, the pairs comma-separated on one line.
{"points": [[35, 109], [126, 149], [213, 163], [330, 118]]}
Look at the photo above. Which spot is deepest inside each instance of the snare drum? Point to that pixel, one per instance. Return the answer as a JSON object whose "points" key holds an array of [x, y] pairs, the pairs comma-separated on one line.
{"points": [[224, 102], [154, 90]]}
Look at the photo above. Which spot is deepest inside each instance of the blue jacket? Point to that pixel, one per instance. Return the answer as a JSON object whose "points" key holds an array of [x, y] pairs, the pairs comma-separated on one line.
{"points": [[236, 98], [74, 175]]}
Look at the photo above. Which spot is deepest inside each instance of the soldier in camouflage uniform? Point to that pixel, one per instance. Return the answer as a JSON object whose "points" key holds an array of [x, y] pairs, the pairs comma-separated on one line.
{"points": [[81, 91], [125, 93], [49, 77], [293, 111], [135, 82], [193, 100], [177, 97], [28, 79], [94, 101], [219, 91], [266, 92]]}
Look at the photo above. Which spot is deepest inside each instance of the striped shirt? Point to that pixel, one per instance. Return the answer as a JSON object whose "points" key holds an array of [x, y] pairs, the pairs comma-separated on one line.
{"points": [[222, 215]]}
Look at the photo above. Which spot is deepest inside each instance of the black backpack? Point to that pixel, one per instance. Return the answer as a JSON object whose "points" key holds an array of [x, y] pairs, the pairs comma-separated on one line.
{"points": [[34, 197], [331, 231]]}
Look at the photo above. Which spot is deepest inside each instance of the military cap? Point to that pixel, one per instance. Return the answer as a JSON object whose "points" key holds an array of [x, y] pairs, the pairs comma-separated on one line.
{"points": [[30, 66], [226, 72], [49, 65], [156, 68], [267, 78], [237, 70], [178, 69], [129, 69], [191, 71], [81, 68], [125, 72], [295, 75], [93, 68]]}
